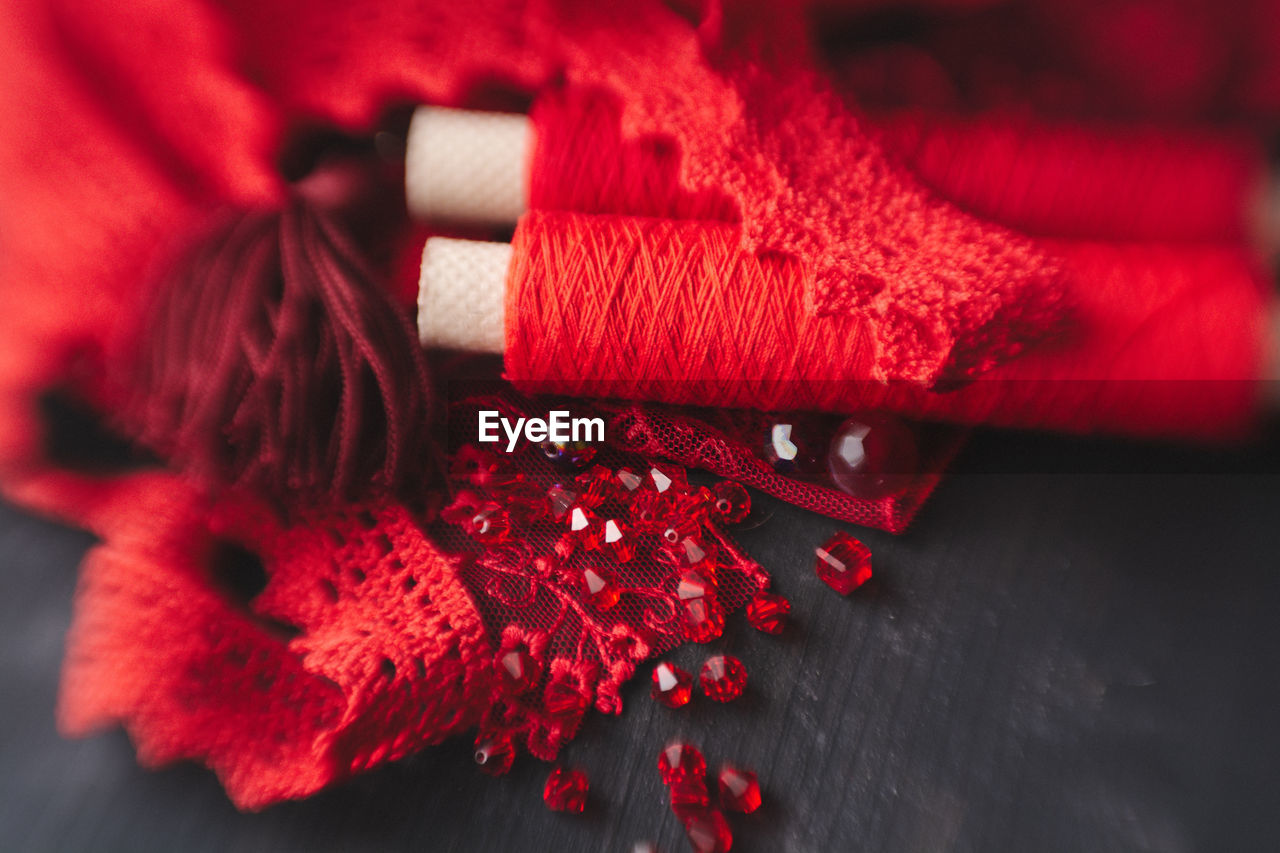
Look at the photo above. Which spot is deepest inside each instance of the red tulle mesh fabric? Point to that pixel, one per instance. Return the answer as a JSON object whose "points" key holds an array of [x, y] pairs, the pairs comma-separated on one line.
{"points": [[527, 571]]}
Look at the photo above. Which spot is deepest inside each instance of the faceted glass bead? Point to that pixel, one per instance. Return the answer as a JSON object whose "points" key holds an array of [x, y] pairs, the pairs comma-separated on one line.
{"points": [[843, 563], [617, 540], [566, 790], [667, 479], [525, 502], [723, 678], [517, 671], [730, 503], [601, 589], [585, 527], [678, 529], [491, 524], [767, 612], [739, 789], [688, 792], [595, 486], [570, 455], [708, 831], [873, 455], [494, 755], [560, 500], [681, 760], [792, 448], [647, 511], [693, 584], [672, 686], [629, 479], [703, 619]]}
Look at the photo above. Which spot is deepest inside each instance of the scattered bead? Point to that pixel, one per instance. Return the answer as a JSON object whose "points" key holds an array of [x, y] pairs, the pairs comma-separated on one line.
{"points": [[616, 539], [491, 524], [629, 479], [767, 612], [843, 563], [704, 620], [708, 831], [672, 686], [601, 589], [560, 500], [517, 671], [688, 792], [791, 449], [723, 678], [739, 789], [666, 479], [585, 527], [569, 454], [494, 754], [730, 502], [594, 486], [566, 790], [681, 760], [872, 455]]}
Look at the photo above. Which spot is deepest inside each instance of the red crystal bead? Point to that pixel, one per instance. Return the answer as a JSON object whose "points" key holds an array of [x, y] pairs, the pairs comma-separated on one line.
{"points": [[730, 503], [667, 479], [703, 620], [494, 754], [688, 792], [843, 563], [566, 790], [767, 612], [585, 527], [693, 584], [595, 486], [491, 524], [647, 510], [873, 455], [739, 789], [600, 587], [517, 671], [629, 479], [708, 831], [681, 760], [560, 500], [723, 678], [672, 686], [616, 539]]}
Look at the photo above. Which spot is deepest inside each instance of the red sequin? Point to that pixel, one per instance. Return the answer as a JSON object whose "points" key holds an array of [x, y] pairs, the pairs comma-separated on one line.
{"points": [[843, 563]]}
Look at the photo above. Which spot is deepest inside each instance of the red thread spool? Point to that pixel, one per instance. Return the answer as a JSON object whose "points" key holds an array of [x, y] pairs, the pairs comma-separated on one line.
{"points": [[1162, 341]]}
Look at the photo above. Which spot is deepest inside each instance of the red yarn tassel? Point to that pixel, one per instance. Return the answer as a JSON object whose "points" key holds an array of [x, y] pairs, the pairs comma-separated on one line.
{"points": [[272, 359]]}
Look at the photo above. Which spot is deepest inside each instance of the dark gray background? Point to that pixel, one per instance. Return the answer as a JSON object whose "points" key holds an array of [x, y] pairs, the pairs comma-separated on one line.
{"points": [[1065, 652]]}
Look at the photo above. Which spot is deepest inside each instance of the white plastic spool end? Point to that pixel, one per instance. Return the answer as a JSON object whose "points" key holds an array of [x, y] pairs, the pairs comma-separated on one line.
{"points": [[462, 294]]}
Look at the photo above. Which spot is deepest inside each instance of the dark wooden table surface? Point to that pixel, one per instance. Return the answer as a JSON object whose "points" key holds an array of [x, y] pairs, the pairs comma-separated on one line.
{"points": [[1076, 647]]}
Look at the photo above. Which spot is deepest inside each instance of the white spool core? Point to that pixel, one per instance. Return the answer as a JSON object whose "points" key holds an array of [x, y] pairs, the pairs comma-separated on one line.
{"points": [[462, 293], [467, 167]]}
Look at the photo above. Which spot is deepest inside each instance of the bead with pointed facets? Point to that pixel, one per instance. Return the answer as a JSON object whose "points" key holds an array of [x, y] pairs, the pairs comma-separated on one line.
{"points": [[723, 678], [730, 503], [767, 612], [739, 789], [679, 759], [517, 671], [601, 590], [566, 790], [672, 686], [843, 563]]}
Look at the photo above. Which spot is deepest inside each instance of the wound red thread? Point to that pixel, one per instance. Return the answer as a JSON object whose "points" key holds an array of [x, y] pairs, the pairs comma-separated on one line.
{"points": [[1162, 340]]}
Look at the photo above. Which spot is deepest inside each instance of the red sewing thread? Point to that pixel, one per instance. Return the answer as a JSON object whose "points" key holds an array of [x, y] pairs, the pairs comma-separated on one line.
{"points": [[1161, 340]]}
